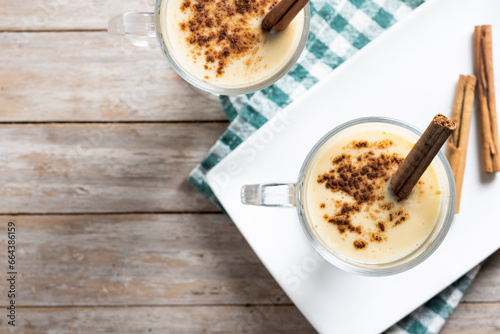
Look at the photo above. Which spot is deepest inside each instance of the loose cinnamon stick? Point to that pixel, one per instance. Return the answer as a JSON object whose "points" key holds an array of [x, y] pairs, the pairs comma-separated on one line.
{"points": [[461, 115], [483, 52], [282, 15], [420, 156]]}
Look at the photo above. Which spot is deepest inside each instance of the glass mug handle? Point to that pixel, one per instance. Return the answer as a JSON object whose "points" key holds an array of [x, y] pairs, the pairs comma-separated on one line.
{"points": [[271, 194], [138, 28]]}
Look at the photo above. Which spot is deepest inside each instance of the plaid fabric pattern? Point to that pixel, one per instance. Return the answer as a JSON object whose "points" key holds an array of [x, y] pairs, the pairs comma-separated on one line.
{"points": [[338, 29]]}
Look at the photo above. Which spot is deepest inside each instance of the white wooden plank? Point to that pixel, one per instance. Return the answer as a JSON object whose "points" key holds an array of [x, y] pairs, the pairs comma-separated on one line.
{"points": [[90, 76], [102, 168], [224, 319], [33, 15], [474, 319], [173, 259]]}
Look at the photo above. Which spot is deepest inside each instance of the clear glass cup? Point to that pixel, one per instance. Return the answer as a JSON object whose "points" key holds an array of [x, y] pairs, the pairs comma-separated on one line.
{"points": [[293, 195], [144, 29]]}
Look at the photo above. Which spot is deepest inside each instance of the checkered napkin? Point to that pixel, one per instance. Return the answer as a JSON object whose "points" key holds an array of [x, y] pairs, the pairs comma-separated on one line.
{"points": [[338, 29]]}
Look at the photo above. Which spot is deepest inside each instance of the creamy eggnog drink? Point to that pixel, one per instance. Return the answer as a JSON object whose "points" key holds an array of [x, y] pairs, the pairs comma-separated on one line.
{"points": [[222, 43], [368, 199], [348, 203]]}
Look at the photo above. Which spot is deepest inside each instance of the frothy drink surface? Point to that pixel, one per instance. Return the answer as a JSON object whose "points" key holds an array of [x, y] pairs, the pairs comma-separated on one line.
{"points": [[222, 42], [348, 201]]}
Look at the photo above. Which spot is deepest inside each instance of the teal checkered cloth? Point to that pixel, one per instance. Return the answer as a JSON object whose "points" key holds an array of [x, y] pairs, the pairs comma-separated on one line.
{"points": [[339, 28]]}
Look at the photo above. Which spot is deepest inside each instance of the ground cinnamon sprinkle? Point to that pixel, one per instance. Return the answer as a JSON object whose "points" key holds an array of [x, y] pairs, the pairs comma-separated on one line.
{"points": [[359, 244], [222, 31], [363, 177]]}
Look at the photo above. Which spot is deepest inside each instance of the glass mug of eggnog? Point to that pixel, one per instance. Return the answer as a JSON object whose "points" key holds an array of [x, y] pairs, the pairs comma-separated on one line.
{"points": [[218, 46], [345, 206]]}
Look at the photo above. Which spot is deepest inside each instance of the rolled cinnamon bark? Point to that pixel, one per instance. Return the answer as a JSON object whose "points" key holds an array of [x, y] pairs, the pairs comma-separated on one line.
{"points": [[420, 156], [282, 15], [461, 115], [483, 52]]}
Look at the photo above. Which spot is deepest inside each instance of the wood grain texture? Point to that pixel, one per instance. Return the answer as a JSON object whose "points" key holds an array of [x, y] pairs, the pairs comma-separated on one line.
{"points": [[102, 168], [486, 286], [220, 319], [474, 319], [90, 76], [467, 319], [173, 259], [36, 15]]}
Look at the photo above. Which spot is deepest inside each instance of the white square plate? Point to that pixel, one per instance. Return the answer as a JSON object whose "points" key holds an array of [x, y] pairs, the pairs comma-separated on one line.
{"points": [[408, 73]]}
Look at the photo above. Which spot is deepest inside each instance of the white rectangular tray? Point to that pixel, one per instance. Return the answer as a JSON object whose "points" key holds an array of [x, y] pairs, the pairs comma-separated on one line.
{"points": [[409, 73]]}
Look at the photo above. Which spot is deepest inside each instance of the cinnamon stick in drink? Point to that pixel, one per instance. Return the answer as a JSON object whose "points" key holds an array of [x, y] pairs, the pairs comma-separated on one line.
{"points": [[461, 115], [282, 15], [483, 53], [420, 156]]}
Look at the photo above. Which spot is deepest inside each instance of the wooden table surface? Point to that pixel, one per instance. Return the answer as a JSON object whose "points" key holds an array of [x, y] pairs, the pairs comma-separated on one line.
{"points": [[97, 138]]}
